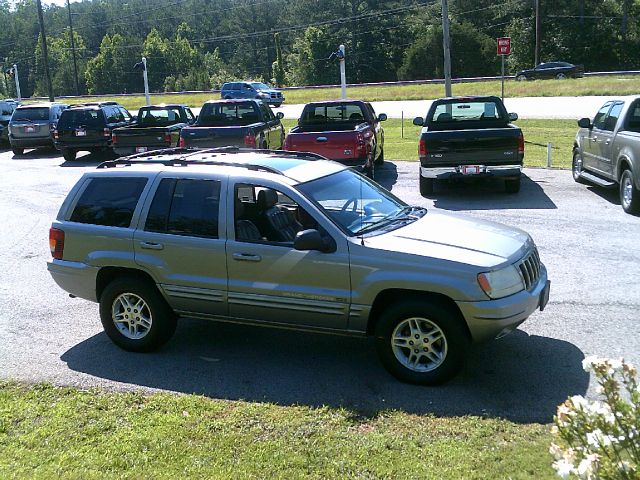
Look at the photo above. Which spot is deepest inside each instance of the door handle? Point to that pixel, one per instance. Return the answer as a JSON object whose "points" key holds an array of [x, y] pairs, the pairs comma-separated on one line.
{"points": [[321, 139], [151, 245], [247, 257]]}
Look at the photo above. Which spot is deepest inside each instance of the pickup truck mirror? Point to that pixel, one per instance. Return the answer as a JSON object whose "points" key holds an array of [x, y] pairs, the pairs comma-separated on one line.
{"points": [[280, 115], [419, 121], [513, 116], [312, 240], [584, 123], [382, 117]]}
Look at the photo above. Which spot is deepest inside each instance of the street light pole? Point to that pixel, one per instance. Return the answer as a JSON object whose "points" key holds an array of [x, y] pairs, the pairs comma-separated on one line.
{"points": [[446, 45], [73, 50], [536, 60], [146, 81], [343, 75], [17, 79]]}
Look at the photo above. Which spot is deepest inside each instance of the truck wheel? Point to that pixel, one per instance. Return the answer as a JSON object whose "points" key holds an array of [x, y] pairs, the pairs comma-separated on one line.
{"points": [[17, 151], [135, 316], [629, 194], [380, 159], [426, 186], [576, 167], [69, 155], [421, 342], [513, 185]]}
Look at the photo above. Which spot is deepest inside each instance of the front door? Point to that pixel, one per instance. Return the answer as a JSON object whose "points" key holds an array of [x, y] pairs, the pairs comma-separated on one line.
{"points": [[591, 142]]}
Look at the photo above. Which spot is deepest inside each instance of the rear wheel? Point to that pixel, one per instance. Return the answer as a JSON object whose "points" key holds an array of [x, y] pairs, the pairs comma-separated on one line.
{"points": [[135, 316], [426, 186], [561, 76], [380, 159], [69, 155], [629, 195], [17, 151], [421, 342], [512, 185]]}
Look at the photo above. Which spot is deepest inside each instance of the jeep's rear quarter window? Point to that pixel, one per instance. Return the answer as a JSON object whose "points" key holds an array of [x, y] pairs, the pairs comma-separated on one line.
{"points": [[109, 201], [185, 207], [81, 118]]}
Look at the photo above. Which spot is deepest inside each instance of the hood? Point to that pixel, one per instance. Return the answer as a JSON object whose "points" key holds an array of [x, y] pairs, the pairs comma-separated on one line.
{"points": [[456, 238]]}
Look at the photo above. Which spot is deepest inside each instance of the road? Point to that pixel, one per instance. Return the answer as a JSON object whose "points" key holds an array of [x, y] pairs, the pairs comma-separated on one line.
{"points": [[589, 245], [525, 107]]}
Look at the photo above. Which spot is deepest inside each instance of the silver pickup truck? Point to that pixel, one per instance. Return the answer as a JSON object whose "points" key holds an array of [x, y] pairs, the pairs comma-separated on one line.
{"points": [[606, 151], [290, 240]]}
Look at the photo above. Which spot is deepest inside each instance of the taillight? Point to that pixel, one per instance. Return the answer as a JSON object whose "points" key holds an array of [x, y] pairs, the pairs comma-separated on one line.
{"points": [[182, 142], [422, 148], [360, 145], [250, 140], [56, 136], [521, 144], [106, 132], [167, 138], [56, 243], [114, 138]]}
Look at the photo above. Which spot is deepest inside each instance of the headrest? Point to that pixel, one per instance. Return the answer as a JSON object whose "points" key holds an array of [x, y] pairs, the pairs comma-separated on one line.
{"points": [[267, 198]]}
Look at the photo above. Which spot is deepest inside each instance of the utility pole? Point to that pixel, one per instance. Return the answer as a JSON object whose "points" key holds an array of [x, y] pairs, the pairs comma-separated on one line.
{"points": [[447, 48], [343, 74], [536, 60], [143, 66], [73, 50], [15, 75], [44, 51]]}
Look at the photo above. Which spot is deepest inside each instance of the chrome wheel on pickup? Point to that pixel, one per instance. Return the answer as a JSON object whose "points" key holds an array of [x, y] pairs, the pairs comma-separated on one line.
{"points": [[421, 342], [629, 195], [576, 167]]}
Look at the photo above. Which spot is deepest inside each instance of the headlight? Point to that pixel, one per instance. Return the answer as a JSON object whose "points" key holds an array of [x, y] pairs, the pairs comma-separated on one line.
{"points": [[501, 283], [265, 94]]}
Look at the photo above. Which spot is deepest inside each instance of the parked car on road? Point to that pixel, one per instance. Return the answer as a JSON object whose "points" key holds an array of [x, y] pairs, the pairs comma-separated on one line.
{"points": [[156, 127], [271, 238], [606, 151], [559, 70], [244, 123], [89, 127], [32, 125], [347, 131], [469, 137], [257, 90], [6, 110]]}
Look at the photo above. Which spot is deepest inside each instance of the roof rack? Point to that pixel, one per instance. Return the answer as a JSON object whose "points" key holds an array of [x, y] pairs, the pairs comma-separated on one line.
{"points": [[181, 162], [92, 104], [228, 149]]}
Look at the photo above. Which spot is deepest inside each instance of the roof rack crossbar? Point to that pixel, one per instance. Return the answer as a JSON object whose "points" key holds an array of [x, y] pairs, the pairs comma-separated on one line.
{"points": [[182, 162]]}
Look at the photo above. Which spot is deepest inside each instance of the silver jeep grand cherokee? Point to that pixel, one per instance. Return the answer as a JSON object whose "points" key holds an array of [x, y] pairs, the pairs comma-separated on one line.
{"points": [[290, 240]]}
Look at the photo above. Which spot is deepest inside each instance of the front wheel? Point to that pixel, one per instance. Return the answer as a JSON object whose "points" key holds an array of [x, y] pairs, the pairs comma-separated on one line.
{"points": [[420, 342], [521, 78], [576, 167], [69, 155], [629, 195], [561, 76], [135, 316], [17, 151], [512, 185]]}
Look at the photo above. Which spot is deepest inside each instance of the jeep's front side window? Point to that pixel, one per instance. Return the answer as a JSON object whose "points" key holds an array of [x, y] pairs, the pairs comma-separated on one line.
{"points": [[109, 201], [185, 207]]}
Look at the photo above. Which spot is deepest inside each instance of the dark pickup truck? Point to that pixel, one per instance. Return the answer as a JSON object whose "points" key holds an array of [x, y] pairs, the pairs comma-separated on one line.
{"points": [[345, 131], [156, 127], [241, 123], [469, 137], [606, 151]]}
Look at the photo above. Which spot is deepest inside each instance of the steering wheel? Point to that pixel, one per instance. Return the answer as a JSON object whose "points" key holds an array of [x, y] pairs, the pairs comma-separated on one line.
{"points": [[354, 208]]}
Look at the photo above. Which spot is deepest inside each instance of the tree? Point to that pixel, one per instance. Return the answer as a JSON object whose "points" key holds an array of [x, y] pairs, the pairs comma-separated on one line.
{"points": [[278, 66], [60, 64], [111, 71], [309, 64]]}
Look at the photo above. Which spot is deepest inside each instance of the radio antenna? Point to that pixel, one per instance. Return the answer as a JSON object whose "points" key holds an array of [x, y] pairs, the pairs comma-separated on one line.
{"points": [[361, 214]]}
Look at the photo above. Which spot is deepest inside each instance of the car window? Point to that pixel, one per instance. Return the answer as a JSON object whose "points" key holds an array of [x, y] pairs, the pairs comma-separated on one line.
{"points": [[598, 120], [126, 116], [6, 108], [633, 118], [611, 119], [224, 114], [81, 118], [31, 114], [160, 117], [112, 114], [109, 201], [185, 207], [189, 115], [333, 113], [246, 86], [466, 111], [267, 113]]}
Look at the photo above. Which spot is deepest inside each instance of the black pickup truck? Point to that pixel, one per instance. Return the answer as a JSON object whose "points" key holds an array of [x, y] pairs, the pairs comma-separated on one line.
{"points": [[156, 127], [241, 123], [469, 137]]}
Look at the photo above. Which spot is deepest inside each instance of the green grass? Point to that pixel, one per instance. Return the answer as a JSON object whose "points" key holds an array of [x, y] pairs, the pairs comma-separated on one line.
{"points": [[623, 85], [537, 134], [48, 432]]}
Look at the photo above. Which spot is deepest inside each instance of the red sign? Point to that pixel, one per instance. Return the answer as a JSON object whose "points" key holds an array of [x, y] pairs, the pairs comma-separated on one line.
{"points": [[504, 46]]}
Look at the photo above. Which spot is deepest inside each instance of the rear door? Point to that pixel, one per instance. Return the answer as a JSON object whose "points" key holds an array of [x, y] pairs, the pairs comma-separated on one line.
{"points": [[181, 242]]}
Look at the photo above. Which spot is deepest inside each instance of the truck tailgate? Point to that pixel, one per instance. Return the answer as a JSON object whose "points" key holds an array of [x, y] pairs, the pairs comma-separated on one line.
{"points": [[488, 146], [334, 145], [211, 137], [132, 137]]}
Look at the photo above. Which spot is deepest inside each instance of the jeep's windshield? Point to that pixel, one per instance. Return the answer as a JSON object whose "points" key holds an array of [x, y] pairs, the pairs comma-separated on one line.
{"points": [[356, 204], [228, 114]]}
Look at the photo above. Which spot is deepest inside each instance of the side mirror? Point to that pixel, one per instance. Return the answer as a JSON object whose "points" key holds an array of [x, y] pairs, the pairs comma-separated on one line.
{"points": [[382, 117], [312, 240], [419, 121], [584, 123], [280, 115], [513, 117]]}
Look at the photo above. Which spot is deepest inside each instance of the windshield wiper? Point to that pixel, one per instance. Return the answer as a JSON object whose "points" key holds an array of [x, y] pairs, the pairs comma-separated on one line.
{"points": [[24, 120], [404, 214]]}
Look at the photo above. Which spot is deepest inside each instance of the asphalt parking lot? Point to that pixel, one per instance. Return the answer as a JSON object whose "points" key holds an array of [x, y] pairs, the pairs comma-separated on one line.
{"points": [[589, 245]]}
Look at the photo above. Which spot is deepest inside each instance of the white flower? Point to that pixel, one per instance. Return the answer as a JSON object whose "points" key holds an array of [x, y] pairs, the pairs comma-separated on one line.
{"points": [[597, 438], [589, 362], [578, 402], [585, 468], [625, 467], [615, 364], [563, 468]]}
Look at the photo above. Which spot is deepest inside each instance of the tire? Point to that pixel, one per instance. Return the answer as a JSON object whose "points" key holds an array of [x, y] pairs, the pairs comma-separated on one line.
{"points": [[521, 78], [438, 330], [151, 326], [380, 160], [561, 76], [576, 167], [69, 155], [17, 151], [512, 185], [629, 194], [426, 186]]}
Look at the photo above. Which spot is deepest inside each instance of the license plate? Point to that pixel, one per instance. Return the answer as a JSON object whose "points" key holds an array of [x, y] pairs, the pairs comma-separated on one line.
{"points": [[141, 149], [544, 295], [471, 169], [81, 133], [29, 129]]}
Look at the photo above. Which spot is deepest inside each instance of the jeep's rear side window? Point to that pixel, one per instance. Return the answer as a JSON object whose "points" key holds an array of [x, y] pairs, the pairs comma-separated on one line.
{"points": [[109, 201], [185, 207]]}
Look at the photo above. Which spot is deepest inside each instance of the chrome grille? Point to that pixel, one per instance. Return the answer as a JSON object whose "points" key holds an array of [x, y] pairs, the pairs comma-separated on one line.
{"points": [[529, 268]]}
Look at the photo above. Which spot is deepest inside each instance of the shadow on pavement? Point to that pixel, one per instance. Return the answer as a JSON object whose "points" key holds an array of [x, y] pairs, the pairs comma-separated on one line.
{"points": [[521, 377], [611, 195], [89, 159], [489, 195], [387, 175], [37, 153]]}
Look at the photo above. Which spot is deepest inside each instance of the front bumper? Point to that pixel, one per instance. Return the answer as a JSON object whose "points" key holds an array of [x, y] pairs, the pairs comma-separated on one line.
{"points": [[495, 318], [79, 279], [442, 173]]}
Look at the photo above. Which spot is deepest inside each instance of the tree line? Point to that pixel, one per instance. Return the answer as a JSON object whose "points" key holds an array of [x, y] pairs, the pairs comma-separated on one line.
{"points": [[199, 44]]}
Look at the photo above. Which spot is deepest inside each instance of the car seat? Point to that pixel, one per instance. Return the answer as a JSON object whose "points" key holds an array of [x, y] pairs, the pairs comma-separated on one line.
{"points": [[246, 230], [278, 224]]}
